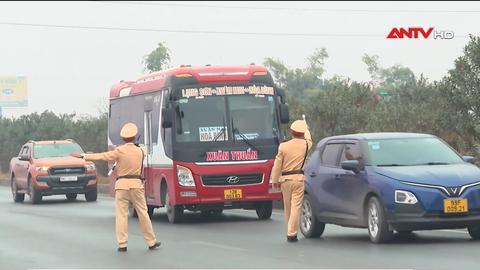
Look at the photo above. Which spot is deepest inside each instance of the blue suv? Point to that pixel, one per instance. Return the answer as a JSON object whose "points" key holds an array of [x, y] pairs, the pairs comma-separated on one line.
{"points": [[390, 182]]}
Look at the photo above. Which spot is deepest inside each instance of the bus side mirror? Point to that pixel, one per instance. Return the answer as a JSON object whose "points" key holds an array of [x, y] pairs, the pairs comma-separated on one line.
{"points": [[284, 114], [167, 118], [282, 95]]}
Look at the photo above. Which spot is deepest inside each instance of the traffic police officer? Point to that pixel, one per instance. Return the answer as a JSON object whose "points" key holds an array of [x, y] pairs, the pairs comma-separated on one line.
{"points": [[129, 187], [288, 171]]}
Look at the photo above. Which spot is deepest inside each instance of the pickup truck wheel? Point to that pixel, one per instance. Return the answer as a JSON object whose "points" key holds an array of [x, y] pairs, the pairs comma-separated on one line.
{"points": [[35, 195], [174, 212], [264, 210], [17, 197], [71, 197], [91, 196]]}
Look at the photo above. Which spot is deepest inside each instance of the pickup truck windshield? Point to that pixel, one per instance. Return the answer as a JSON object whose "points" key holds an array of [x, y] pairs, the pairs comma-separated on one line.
{"points": [[55, 150]]}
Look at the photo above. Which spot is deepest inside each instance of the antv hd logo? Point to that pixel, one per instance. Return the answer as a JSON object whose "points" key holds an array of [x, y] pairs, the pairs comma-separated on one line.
{"points": [[419, 33]]}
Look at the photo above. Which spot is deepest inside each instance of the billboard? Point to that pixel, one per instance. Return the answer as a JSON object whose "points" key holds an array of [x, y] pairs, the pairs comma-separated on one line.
{"points": [[13, 91]]}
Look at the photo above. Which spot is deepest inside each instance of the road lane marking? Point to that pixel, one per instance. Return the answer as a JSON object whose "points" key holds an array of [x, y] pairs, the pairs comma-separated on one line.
{"points": [[210, 244]]}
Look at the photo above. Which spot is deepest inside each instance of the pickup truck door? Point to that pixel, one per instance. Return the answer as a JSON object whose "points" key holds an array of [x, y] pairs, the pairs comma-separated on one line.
{"points": [[21, 168]]}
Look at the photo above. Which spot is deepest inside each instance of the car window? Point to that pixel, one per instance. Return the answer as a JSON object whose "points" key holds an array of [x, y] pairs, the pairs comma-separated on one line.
{"points": [[329, 155], [351, 151], [411, 152], [56, 150]]}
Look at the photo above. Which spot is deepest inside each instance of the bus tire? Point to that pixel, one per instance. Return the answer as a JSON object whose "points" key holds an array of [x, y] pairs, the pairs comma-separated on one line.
{"points": [[264, 210], [174, 212]]}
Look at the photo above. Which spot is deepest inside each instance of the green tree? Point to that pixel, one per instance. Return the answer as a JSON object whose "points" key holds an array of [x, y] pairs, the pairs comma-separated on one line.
{"points": [[297, 81], [157, 59], [461, 87]]}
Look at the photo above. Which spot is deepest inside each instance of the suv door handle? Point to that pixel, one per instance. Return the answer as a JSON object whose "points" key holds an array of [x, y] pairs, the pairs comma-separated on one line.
{"points": [[313, 174]]}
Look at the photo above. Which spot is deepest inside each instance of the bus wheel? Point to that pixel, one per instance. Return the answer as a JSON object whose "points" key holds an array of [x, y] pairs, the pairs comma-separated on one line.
{"points": [[264, 210], [174, 212]]}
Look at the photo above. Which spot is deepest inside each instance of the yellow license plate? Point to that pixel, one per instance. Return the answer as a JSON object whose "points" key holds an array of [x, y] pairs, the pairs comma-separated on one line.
{"points": [[455, 206], [232, 194]]}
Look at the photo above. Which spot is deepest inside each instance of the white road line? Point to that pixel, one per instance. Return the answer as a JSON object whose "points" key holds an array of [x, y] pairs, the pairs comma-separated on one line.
{"points": [[210, 244]]}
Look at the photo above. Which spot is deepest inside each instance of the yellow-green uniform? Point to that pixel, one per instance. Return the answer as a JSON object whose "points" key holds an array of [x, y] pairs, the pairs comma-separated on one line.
{"points": [[129, 159], [289, 158]]}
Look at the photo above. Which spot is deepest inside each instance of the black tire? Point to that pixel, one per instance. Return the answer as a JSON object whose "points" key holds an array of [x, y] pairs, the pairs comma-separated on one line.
{"points": [[35, 195], [474, 232], [174, 213], [264, 210], [71, 196], [309, 224], [91, 196], [17, 197], [378, 229]]}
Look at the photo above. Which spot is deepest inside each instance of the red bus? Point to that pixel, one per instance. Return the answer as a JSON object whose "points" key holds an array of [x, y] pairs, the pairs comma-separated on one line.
{"points": [[210, 135]]}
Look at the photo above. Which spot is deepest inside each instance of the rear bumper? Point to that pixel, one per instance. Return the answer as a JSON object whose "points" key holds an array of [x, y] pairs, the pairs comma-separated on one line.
{"points": [[51, 185]]}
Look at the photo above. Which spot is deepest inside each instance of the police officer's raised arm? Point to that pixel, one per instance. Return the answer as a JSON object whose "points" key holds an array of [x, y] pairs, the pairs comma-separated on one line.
{"points": [[110, 155]]}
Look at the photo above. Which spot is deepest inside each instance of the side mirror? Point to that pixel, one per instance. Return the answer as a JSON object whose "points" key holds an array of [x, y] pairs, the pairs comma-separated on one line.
{"points": [[167, 118], [282, 95], [284, 114], [351, 165], [24, 158], [469, 159]]}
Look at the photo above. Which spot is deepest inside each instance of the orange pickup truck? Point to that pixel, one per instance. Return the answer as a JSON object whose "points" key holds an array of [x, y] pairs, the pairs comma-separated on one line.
{"points": [[45, 168]]}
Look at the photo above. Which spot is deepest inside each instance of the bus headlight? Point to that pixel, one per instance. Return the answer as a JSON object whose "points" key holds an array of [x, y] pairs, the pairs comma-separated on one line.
{"points": [[185, 177], [405, 197]]}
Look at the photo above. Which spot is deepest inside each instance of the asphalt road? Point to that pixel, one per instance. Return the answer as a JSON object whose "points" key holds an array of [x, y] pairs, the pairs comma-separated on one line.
{"points": [[59, 234]]}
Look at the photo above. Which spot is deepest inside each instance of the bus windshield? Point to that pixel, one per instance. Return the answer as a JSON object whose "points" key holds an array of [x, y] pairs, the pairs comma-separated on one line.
{"points": [[225, 118]]}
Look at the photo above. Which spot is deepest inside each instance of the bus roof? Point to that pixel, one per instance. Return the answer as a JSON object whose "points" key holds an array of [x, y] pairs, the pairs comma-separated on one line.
{"points": [[205, 74]]}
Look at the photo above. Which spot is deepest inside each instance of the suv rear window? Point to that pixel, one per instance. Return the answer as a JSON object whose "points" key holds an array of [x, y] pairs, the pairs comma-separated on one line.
{"points": [[55, 150]]}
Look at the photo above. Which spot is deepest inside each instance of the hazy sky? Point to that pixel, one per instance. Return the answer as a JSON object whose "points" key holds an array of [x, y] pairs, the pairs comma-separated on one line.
{"points": [[72, 70]]}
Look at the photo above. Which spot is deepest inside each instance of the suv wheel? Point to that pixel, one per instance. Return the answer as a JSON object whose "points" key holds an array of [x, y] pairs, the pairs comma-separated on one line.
{"points": [[474, 232], [309, 225], [91, 196], [35, 195], [174, 212], [377, 223], [17, 197], [264, 210]]}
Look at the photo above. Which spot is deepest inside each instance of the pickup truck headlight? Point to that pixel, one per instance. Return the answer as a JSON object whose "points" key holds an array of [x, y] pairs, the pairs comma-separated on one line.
{"points": [[406, 197], [90, 167], [42, 168], [185, 177]]}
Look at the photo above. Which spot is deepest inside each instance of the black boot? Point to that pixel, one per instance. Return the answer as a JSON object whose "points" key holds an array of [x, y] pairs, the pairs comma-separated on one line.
{"points": [[292, 238], [156, 245]]}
